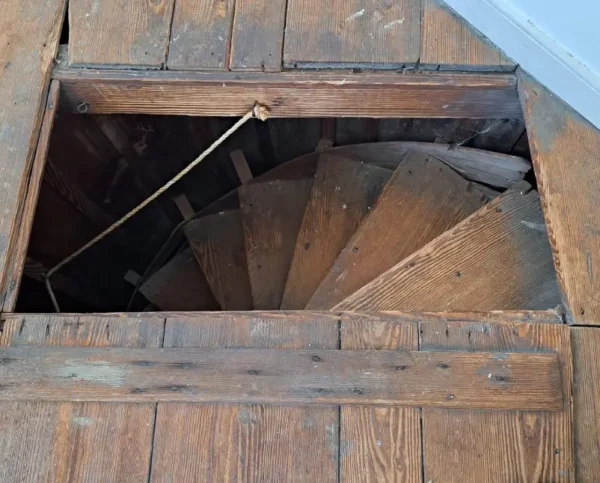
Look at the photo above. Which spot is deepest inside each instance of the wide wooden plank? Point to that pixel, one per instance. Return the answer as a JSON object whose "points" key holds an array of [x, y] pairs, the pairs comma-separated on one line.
{"points": [[498, 446], [586, 394], [342, 194], [422, 200], [257, 38], [180, 285], [497, 259], [303, 94], [79, 442], [451, 43], [29, 34], [116, 34], [196, 442], [352, 33], [453, 379], [218, 243], [379, 443], [565, 150], [271, 216], [200, 34]]}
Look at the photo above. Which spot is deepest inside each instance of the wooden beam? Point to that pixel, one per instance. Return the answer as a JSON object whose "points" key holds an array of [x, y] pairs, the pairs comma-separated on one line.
{"points": [[565, 149], [468, 380], [291, 94]]}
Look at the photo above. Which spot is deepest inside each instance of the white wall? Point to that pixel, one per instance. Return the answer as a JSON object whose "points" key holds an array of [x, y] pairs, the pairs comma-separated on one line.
{"points": [[556, 41]]}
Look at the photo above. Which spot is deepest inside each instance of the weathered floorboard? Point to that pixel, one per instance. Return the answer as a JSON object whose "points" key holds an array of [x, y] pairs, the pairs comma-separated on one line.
{"points": [[379, 443], [130, 34], [586, 394], [422, 200], [196, 442], [565, 149], [271, 216], [409, 378], [257, 37], [498, 446], [452, 44], [498, 258], [348, 33], [29, 35], [303, 94], [342, 194], [91, 442]]}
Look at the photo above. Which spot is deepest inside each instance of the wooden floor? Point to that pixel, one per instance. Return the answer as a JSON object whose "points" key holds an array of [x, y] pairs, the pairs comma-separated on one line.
{"points": [[78, 436]]}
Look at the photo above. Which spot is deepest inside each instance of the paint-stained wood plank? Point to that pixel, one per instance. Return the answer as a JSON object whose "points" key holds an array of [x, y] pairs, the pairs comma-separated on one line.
{"points": [[219, 246], [422, 200], [271, 216], [586, 394], [269, 376], [180, 285], [304, 94], [111, 33], [257, 38], [352, 32], [29, 35], [200, 34], [498, 258], [379, 443], [77, 441], [450, 43], [342, 194], [261, 443], [498, 446], [565, 150]]}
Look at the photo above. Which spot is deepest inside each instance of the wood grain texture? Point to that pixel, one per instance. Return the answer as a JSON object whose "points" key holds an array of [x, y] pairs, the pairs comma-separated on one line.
{"points": [[497, 259], [422, 200], [250, 443], [498, 446], [352, 33], [257, 38], [29, 35], [200, 34], [271, 216], [470, 380], [342, 194], [292, 94], [218, 243], [586, 394], [450, 43], [91, 442], [180, 285], [13, 280], [115, 34], [565, 149], [379, 444]]}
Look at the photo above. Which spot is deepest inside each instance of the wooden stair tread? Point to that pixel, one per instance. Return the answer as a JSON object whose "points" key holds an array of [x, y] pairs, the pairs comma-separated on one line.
{"points": [[218, 243], [494, 169], [341, 195], [271, 216], [497, 259], [180, 285], [422, 200]]}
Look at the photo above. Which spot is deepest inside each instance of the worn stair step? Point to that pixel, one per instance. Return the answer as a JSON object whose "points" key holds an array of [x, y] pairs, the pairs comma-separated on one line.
{"points": [[422, 200], [271, 216], [342, 193], [180, 285], [218, 243], [497, 259]]}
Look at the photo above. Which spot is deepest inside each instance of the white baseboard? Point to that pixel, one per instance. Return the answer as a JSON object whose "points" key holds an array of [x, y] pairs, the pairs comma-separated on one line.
{"points": [[536, 52]]}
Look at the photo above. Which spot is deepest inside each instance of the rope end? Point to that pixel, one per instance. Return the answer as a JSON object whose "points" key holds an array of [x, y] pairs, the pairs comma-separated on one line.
{"points": [[260, 112]]}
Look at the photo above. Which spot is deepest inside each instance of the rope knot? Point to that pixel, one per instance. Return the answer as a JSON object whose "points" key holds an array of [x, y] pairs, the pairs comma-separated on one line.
{"points": [[260, 112]]}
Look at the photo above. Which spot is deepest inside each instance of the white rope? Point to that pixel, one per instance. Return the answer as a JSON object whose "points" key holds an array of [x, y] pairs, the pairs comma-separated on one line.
{"points": [[258, 111]]}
